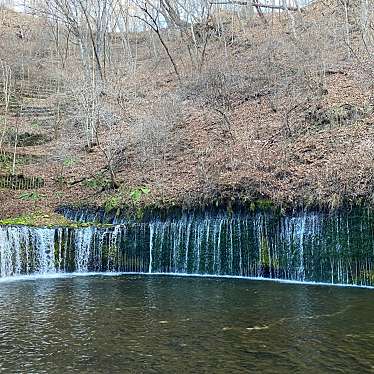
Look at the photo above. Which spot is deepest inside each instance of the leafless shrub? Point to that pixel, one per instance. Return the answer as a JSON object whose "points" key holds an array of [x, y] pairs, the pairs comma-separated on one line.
{"points": [[151, 137], [156, 135], [218, 88]]}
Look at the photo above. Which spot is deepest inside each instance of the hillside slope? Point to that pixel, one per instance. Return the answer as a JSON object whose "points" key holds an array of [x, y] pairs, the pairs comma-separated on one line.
{"points": [[280, 111]]}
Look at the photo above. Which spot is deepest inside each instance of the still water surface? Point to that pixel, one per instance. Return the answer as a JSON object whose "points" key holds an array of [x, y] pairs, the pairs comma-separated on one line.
{"points": [[155, 324]]}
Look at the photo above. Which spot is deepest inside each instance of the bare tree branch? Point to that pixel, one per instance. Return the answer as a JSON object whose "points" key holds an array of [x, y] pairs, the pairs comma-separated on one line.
{"points": [[256, 5]]}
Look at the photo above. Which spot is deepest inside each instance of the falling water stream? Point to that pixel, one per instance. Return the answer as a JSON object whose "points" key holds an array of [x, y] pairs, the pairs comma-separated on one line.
{"points": [[304, 247]]}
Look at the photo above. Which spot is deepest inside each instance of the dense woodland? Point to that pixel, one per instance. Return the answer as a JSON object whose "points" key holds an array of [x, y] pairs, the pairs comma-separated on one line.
{"points": [[186, 103]]}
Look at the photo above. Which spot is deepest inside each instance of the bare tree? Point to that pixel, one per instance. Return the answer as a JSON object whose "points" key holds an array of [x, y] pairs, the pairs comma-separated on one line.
{"points": [[7, 89]]}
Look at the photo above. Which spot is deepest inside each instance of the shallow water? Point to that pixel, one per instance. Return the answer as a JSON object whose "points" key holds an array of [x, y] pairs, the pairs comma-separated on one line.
{"points": [[158, 324]]}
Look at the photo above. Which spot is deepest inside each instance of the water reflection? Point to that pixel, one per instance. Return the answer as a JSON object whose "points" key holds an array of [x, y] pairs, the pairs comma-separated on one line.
{"points": [[135, 324]]}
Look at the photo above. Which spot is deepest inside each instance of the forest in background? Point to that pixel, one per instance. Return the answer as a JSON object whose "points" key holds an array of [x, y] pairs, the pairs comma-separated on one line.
{"points": [[186, 103]]}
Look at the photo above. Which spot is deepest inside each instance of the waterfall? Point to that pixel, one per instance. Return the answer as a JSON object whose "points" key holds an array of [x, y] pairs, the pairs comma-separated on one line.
{"points": [[26, 250], [151, 231], [305, 246]]}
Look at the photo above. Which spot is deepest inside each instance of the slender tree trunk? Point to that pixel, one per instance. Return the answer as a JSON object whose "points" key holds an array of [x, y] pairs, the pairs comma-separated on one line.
{"points": [[15, 151]]}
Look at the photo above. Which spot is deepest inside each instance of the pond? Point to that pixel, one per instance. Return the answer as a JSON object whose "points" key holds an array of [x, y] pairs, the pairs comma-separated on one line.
{"points": [[167, 324]]}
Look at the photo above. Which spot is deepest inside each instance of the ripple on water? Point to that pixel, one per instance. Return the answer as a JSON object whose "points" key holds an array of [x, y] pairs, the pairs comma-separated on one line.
{"points": [[170, 324]]}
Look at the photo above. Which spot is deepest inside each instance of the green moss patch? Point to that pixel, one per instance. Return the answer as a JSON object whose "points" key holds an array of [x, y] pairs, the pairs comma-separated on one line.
{"points": [[36, 219], [40, 219]]}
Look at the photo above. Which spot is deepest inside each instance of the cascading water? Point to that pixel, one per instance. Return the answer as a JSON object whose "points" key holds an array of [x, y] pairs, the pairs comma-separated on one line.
{"points": [[307, 246], [26, 250]]}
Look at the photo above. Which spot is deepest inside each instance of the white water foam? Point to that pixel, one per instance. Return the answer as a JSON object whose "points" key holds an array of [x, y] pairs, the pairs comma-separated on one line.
{"points": [[37, 277]]}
